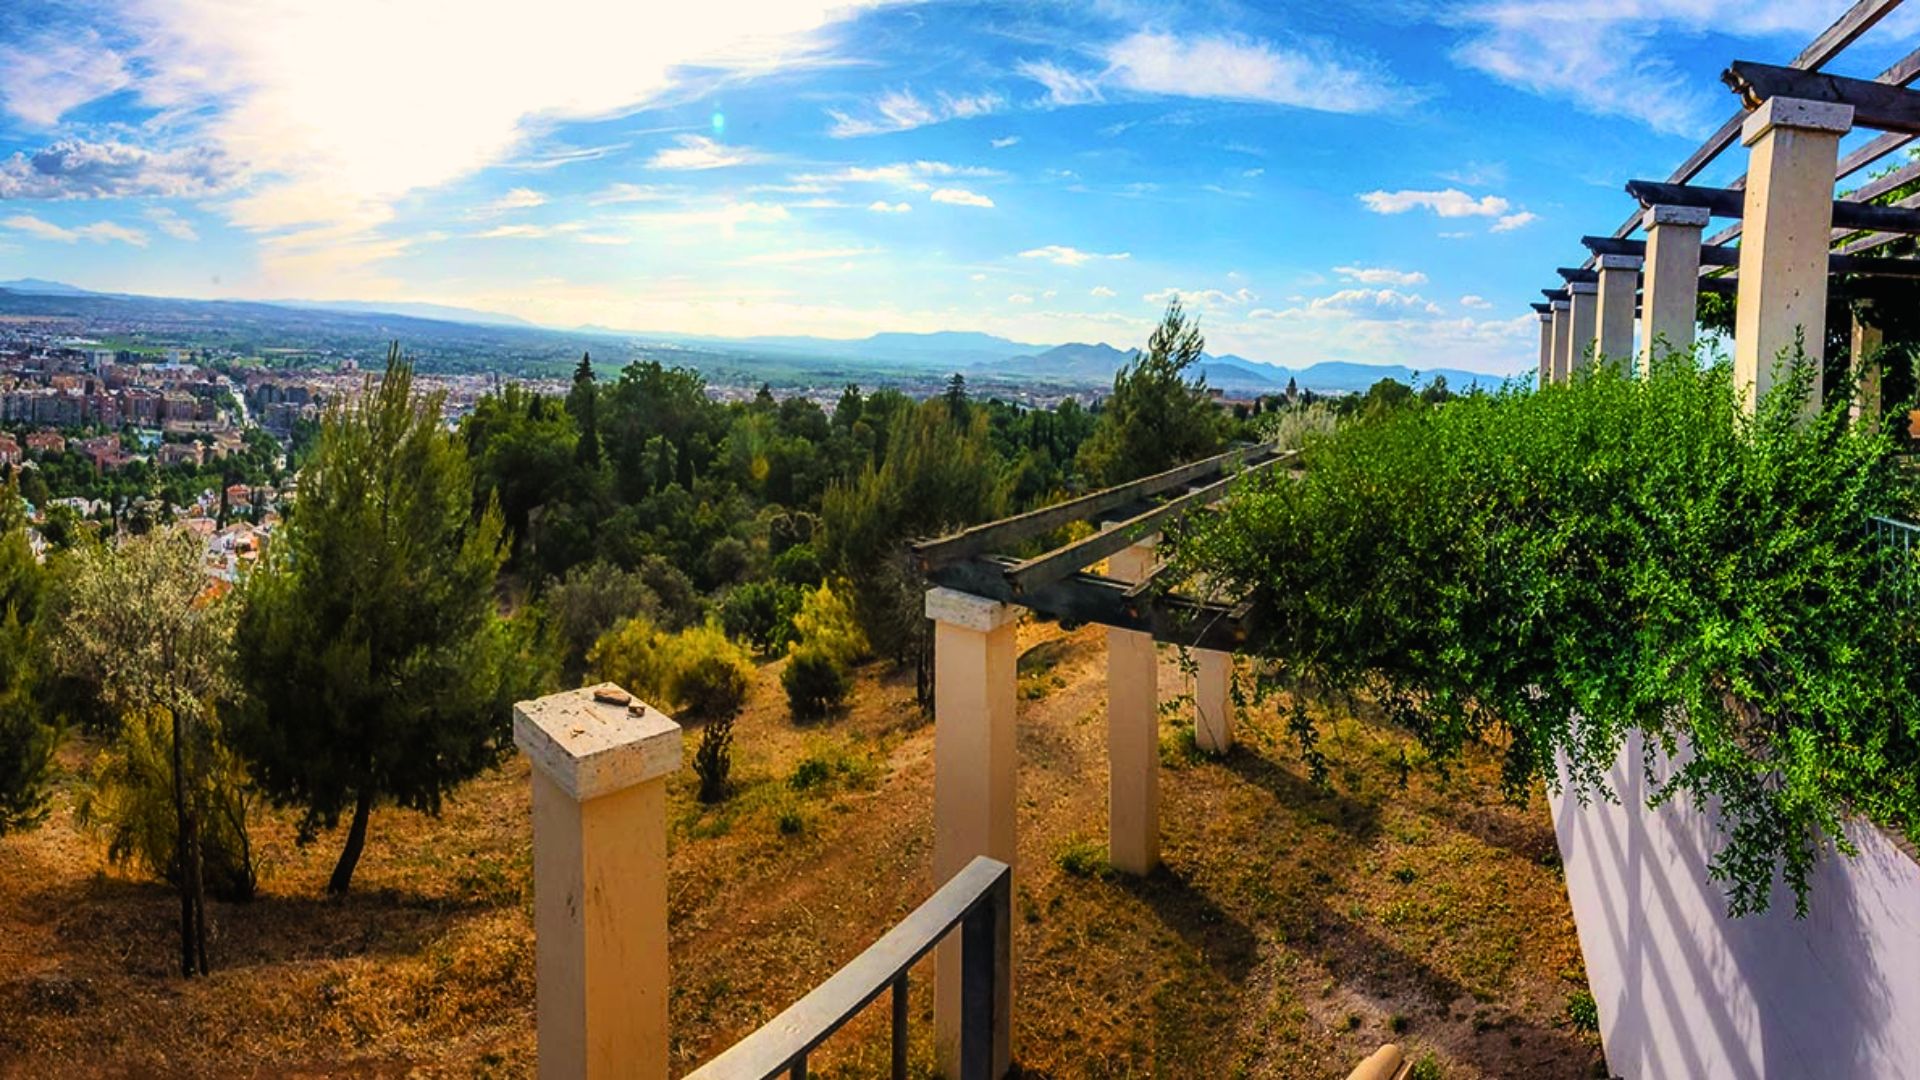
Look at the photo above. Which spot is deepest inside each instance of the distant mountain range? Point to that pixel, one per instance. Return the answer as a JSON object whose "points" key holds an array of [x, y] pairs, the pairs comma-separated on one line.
{"points": [[986, 356]]}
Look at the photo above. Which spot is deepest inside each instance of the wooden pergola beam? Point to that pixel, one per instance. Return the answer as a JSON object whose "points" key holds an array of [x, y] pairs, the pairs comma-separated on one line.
{"points": [[1092, 598], [1578, 275], [1875, 104], [1719, 255], [1728, 202]]}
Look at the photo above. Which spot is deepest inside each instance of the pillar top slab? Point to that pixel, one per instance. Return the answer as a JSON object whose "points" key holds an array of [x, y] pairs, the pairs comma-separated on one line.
{"points": [[967, 610], [1618, 262], [1798, 114], [1583, 288], [1692, 216], [589, 747], [1561, 305]]}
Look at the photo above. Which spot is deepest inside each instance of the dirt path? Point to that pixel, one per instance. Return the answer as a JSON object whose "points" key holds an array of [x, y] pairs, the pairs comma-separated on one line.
{"points": [[1291, 930]]}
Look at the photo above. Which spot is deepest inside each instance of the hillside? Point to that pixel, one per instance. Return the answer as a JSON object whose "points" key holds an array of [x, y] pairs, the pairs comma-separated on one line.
{"points": [[1290, 932]]}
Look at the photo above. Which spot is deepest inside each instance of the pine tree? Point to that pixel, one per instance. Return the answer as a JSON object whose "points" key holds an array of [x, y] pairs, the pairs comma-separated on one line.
{"points": [[583, 401], [26, 740], [378, 668]]}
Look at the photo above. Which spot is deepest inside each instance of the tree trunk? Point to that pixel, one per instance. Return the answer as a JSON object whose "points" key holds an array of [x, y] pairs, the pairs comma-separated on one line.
{"points": [[183, 852], [356, 839]]}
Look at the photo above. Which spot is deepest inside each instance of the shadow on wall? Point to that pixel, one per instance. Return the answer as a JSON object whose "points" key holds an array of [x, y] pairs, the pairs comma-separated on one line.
{"points": [[1686, 991]]}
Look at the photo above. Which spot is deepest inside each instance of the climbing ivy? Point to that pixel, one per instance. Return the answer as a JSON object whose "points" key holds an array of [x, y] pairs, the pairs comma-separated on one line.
{"points": [[1546, 572]]}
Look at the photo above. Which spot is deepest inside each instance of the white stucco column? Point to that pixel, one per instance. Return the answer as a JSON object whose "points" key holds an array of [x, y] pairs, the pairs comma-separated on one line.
{"points": [[1583, 320], [600, 773], [1619, 292], [1213, 701], [1562, 340], [1546, 347], [1133, 730], [974, 653], [1793, 146], [1865, 359], [1671, 306]]}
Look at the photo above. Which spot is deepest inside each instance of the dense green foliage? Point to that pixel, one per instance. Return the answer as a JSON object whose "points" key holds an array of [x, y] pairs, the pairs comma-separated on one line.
{"points": [[698, 671], [1157, 416], [1555, 571], [27, 735], [375, 664]]}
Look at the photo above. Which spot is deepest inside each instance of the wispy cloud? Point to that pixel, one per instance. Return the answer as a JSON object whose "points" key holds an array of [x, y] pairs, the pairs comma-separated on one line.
{"points": [[520, 198], [1448, 203], [806, 255], [99, 232], [1478, 303], [697, 152], [902, 110], [1510, 222], [1102, 292], [1064, 87], [43, 78], [79, 169], [1356, 303], [1004, 141], [171, 223], [1203, 298], [1380, 275], [961, 197], [1224, 67], [882, 206], [1061, 255]]}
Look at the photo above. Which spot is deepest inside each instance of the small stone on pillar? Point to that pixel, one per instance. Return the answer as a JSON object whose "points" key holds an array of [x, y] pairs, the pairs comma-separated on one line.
{"points": [[1583, 319], [1672, 303], [600, 765], [1619, 287], [1562, 340], [1788, 217], [1133, 731], [974, 657]]}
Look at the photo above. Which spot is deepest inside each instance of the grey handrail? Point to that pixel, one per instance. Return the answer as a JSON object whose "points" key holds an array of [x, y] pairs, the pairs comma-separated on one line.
{"points": [[978, 899]]}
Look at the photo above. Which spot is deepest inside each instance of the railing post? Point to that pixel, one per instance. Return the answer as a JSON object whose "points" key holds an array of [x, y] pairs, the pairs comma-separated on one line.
{"points": [[987, 957], [1671, 307], [1619, 286], [1213, 701], [974, 703], [1583, 317], [1788, 216], [599, 882], [1562, 340], [1546, 346], [1133, 730], [1865, 359]]}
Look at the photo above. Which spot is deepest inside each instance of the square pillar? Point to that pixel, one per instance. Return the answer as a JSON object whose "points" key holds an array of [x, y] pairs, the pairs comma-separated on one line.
{"points": [[1213, 701], [1584, 321], [1133, 731], [1672, 304], [974, 656], [600, 771], [1619, 292], [1546, 347], [1867, 340], [1562, 340], [1794, 146]]}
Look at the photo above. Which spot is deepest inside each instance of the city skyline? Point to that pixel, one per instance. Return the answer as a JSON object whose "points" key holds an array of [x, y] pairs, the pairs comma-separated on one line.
{"points": [[1343, 183]]}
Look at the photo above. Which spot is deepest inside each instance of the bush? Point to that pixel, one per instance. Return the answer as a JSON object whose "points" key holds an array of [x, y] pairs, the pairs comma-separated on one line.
{"points": [[698, 671], [1552, 571], [761, 614], [713, 758], [1582, 1011], [799, 565], [591, 600], [816, 681], [728, 560], [826, 621]]}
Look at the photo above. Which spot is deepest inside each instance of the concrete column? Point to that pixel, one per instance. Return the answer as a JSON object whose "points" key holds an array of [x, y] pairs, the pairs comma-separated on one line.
{"points": [[1562, 340], [1867, 340], [1619, 288], [1213, 701], [1584, 321], [974, 653], [1672, 305], [600, 773], [1546, 347], [1794, 146], [1133, 731]]}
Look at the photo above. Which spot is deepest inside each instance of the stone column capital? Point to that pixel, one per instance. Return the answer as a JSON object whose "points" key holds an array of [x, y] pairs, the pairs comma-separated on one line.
{"points": [[1695, 217], [591, 747], [968, 611], [1618, 262], [1583, 288], [1797, 114]]}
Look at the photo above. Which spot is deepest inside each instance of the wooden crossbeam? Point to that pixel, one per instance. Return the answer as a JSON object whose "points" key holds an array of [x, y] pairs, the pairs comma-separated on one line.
{"points": [[1875, 104], [1091, 598], [1719, 255], [1544, 309], [1556, 294], [1578, 275], [1006, 532], [1726, 202], [1068, 559]]}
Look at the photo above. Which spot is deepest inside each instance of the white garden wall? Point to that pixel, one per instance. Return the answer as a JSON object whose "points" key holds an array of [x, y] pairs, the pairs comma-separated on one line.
{"points": [[1686, 992]]}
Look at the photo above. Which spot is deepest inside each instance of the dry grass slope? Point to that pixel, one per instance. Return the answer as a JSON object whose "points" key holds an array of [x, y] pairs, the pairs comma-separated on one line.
{"points": [[1291, 930]]}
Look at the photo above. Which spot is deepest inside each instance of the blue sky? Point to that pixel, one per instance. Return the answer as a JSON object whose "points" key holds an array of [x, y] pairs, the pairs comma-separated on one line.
{"points": [[1387, 182]]}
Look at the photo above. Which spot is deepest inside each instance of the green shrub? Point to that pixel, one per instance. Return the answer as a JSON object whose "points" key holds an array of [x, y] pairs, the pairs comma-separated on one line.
{"points": [[761, 613], [1551, 571], [1427, 1067], [817, 682], [713, 758], [1083, 858], [826, 621], [799, 565], [590, 600], [1583, 1011], [698, 671]]}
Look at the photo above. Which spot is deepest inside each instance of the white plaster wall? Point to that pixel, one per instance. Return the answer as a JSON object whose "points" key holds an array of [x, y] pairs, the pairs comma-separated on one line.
{"points": [[1687, 992]]}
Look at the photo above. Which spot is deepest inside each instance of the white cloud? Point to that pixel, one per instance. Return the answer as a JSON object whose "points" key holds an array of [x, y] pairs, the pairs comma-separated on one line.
{"points": [[99, 232], [1356, 303], [902, 110], [1450, 203], [1379, 275], [1063, 87], [908, 175], [171, 223], [1101, 291], [697, 152], [1203, 298], [1478, 303], [628, 193], [43, 79], [519, 198], [882, 206], [78, 169], [1252, 174], [1004, 141], [529, 232], [1510, 222], [961, 197], [1237, 68], [1067, 256]]}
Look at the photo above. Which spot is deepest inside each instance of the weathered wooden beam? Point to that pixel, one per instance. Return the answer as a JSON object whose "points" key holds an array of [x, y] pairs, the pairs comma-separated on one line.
{"points": [[1578, 275], [1875, 104], [1542, 309], [1555, 294], [1717, 255], [1091, 598], [1726, 202], [1006, 532], [1068, 559]]}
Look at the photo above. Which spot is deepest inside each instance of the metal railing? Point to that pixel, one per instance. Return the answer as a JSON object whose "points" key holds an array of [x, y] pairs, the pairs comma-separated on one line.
{"points": [[978, 900], [1896, 541]]}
